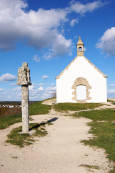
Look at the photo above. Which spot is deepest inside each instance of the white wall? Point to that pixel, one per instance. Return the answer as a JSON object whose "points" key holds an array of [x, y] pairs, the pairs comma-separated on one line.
{"points": [[80, 67]]}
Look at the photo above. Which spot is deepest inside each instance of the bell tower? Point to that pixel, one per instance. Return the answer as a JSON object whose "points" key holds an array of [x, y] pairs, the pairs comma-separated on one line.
{"points": [[80, 47]]}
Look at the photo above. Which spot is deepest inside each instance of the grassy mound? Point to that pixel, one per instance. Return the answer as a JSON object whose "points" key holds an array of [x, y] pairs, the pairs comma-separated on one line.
{"points": [[39, 108], [75, 106]]}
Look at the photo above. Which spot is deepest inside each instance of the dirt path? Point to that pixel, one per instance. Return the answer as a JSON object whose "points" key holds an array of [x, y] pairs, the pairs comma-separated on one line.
{"points": [[59, 152]]}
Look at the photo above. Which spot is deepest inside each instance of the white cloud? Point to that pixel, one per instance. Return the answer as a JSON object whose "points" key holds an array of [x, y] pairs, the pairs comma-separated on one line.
{"points": [[112, 85], [45, 77], [107, 41], [41, 92], [37, 28], [1, 89], [60, 47], [36, 58], [31, 87], [40, 88], [51, 89], [7, 77], [80, 8], [35, 93], [111, 91], [73, 22], [49, 92]]}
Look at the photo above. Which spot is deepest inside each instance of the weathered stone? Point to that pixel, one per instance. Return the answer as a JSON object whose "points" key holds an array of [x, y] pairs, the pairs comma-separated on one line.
{"points": [[25, 115], [24, 80], [24, 75]]}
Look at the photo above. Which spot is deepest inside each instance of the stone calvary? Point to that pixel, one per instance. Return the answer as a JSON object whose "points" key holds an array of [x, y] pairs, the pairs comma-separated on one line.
{"points": [[24, 80]]}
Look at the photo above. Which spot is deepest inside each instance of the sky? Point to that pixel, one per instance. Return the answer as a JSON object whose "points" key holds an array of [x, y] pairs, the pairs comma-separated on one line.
{"points": [[44, 34]]}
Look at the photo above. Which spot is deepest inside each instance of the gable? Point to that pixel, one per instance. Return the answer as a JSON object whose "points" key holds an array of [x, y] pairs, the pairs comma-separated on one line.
{"points": [[76, 59]]}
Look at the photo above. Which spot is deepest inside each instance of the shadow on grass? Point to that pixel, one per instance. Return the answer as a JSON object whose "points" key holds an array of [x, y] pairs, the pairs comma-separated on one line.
{"points": [[17, 138]]}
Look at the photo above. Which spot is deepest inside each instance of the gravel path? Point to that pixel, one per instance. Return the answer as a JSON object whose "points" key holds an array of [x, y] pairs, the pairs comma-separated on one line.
{"points": [[59, 152]]}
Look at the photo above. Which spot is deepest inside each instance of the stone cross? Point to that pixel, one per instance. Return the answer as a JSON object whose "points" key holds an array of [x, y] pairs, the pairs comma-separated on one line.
{"points": [[24, 80]]}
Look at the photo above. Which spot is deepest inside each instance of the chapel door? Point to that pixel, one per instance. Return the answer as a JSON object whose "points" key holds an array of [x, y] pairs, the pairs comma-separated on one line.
{"points": [[81, 92]]}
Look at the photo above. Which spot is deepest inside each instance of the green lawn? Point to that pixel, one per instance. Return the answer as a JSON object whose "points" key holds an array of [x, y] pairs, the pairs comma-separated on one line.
{"points": [[103, 129], [39, 108], [16, 138], [75, 106], [8, 117], [98, 115], [7, 120]]}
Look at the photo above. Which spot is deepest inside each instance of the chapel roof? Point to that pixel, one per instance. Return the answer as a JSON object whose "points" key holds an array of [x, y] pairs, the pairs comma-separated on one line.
{"points": [[80, 42], [57, 77]]}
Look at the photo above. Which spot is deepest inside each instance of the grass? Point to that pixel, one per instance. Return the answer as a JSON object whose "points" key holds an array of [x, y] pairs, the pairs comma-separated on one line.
{"points": [[75, 106], [9, 116], [6, 121], [16, 138], [39, 108], [98, 115], [103, 129]]}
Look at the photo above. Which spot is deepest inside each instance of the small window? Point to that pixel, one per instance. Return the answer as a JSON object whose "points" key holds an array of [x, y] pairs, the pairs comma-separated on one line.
{"points": [[80, 49]]}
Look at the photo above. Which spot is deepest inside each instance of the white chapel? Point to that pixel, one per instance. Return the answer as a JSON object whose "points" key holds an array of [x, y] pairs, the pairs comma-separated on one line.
{"points": [[81, 81]]}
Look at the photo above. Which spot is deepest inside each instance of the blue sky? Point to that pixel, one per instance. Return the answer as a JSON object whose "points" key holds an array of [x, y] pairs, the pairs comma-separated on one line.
{"points": [[44, 34]]}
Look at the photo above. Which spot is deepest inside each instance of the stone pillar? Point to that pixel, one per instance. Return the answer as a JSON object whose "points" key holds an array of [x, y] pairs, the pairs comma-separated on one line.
{"points": [[24, 81], [25, 115]]}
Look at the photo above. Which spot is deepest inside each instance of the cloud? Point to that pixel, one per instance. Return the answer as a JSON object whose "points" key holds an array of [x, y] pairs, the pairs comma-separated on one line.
{"points": [[111, 91], [60, 47], [31, 87], [80, 8], [36, 28], [1, 89], [40, 28], [49, 92], [73, 22], [36, 58], [112, 85], [51, 89], [44, 77], [40, 88], [7, 77], [107, 41], [42, 92]]}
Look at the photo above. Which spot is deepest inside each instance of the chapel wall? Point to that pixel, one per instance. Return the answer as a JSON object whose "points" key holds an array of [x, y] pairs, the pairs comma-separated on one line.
{"points": [[81, 68]]}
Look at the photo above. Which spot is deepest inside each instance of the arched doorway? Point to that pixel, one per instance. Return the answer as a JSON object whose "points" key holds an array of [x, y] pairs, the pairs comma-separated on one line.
{"points": [[81, 89], [81, 92]]}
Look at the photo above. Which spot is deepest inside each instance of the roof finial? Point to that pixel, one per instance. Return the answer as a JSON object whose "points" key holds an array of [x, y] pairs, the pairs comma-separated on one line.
{"points": [[80, 47], [80, 41], [79, 37]]}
